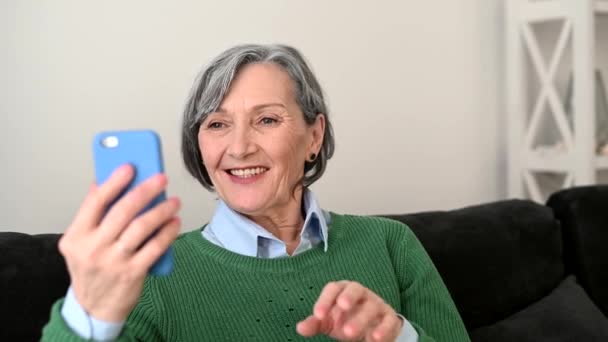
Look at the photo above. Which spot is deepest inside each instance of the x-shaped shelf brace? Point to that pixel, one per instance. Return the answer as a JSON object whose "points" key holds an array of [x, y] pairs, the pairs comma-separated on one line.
{"points": [[548, 96]]}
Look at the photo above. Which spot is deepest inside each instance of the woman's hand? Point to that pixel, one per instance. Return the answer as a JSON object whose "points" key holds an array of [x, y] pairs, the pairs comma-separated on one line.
{"points": [[348, 311], [106, 264]]}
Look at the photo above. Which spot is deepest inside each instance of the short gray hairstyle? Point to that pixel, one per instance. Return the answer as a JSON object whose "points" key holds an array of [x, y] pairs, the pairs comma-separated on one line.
{"points": [[213, 83]]}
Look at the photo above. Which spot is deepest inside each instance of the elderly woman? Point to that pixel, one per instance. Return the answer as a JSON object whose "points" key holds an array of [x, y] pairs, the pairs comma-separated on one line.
{"points": [[270, 265]]}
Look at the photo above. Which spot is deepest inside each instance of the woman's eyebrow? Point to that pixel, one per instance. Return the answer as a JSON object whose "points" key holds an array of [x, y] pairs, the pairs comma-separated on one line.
{"points": [[266, 105], [253, 109]]}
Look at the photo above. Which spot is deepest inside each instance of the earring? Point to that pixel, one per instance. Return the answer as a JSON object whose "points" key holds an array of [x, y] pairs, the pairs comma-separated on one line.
{"points": [[312, 157]]}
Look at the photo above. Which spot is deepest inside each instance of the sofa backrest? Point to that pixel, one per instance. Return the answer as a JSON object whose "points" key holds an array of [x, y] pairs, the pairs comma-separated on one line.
{"points": [[33, 275], [495, 259], [583, 212]]}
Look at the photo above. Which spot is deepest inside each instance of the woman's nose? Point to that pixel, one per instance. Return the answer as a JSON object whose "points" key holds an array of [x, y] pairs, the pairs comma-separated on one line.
{"points": [[241, 143]]}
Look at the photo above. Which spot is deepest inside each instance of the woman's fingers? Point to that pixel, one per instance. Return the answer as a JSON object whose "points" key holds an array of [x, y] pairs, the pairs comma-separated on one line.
{"points": [[363, 318], [351, 295], [144, 225], [327, 298], [343, 296], [347, 310], [99, 197], [157, 245], [129, 206], [387, 330], [309, 327]]}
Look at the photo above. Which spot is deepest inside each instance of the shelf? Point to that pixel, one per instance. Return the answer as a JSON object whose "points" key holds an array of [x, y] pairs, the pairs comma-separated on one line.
{"points": [[536, 11], [560, 162], [543, 11], [601, 7], [601, 162], [577, 19]]}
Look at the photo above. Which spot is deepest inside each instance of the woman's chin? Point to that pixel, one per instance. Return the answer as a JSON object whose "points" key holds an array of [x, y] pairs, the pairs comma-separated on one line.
{"points": [[247, 206]]}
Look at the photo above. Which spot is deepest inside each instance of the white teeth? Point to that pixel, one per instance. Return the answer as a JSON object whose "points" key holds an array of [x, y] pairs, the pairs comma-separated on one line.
{"points": [[246, 173]]}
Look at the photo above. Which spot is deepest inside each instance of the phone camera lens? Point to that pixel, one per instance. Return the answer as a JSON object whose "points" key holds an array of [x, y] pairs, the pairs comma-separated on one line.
{"points": [[109, 142]]}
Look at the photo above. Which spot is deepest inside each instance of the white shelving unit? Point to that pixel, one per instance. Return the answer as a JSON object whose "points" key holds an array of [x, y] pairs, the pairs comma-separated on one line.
{"points": [[577, 159], [601, 7]]}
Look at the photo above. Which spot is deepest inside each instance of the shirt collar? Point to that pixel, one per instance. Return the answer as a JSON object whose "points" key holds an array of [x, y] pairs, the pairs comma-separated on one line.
{"points": [[239, 234], [314, 212]]}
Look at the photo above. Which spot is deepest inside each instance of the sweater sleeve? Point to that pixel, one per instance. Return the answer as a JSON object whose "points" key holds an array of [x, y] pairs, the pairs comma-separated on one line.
{"points": [[425, 301], [142, 324]]}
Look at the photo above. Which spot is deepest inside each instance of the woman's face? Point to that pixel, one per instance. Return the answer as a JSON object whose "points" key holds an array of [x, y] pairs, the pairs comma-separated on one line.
{"points": [[255, 145]]}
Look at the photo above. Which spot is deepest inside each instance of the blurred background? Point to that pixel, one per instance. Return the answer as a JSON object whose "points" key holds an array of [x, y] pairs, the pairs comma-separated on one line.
{"points": [[415, 91]]}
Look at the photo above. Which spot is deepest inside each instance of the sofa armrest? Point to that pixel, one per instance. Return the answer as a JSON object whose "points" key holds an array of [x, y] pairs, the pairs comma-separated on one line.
{"points": [[583, 213], [33, 275]]}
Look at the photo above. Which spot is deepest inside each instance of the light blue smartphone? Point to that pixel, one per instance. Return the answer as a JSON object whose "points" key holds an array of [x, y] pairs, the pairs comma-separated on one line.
{"points": [[141, 149]]}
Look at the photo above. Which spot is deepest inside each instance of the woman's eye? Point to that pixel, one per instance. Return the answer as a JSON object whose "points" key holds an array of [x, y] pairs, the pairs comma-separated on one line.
{"points": [[268, 121], [215, 125]]}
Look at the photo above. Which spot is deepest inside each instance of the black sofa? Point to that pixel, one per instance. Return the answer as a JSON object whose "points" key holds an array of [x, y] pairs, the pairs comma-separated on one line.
{"points": [[518, 271]]}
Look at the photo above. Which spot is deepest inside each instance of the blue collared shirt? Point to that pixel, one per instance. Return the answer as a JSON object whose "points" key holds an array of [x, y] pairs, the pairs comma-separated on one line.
{"points": [[238, 234], [241, 235]]}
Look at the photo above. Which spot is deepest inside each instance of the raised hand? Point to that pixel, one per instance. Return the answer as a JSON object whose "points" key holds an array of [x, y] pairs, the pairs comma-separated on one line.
{"points": [[106, 255], [348, 311]]}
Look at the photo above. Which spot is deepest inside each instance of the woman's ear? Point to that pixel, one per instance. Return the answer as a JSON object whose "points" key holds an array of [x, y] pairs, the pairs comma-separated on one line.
{"points": [[318, 133]]}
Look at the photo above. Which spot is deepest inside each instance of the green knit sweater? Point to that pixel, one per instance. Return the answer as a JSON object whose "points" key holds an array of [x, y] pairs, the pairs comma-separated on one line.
{"points": [[217, 295]]}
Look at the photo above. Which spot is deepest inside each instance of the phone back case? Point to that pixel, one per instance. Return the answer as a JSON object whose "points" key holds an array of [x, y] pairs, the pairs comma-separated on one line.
{"points": [[141, 149]]}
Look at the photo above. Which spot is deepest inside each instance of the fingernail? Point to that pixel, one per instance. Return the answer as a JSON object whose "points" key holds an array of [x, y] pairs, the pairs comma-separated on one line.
{"points": [[344, 304]]}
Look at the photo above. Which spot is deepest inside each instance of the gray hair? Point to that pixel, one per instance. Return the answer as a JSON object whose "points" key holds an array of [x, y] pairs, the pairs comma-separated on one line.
{"points": [[213, 83]]}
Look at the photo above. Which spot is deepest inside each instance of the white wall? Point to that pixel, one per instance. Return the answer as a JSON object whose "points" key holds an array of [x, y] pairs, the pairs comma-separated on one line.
{"points": [[414, 90]]}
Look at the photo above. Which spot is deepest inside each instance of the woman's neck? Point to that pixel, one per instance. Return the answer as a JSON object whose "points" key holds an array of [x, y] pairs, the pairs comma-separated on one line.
{"points": [[286, 222]]}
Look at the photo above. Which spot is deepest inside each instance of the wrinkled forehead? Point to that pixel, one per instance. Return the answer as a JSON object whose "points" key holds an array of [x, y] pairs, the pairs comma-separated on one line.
{"points": [[259, 84]]}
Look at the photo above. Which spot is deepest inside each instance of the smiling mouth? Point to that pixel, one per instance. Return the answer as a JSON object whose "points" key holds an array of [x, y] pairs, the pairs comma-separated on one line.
{"points": [[248, 172]]}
